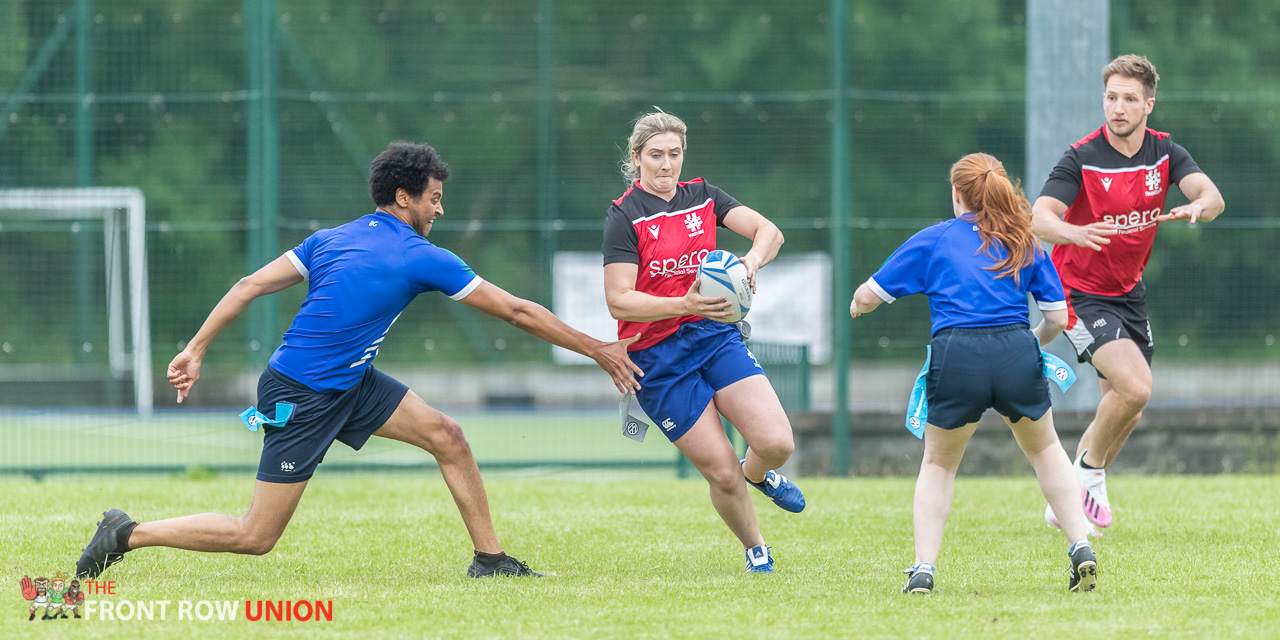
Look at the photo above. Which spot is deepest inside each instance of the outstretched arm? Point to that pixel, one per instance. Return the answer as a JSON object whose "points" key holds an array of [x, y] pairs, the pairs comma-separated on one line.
{"points": [[765, 238], [535, 320], [278, 275], [1048, 225], [1206, 201]]}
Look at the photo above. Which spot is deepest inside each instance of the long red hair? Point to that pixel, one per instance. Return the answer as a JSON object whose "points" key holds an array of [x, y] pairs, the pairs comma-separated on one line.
{"points": [[1001, 210]]}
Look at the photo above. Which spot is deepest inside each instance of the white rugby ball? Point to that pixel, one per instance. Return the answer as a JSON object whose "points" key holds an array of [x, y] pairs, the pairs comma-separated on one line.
{"points": [[722, 275]]}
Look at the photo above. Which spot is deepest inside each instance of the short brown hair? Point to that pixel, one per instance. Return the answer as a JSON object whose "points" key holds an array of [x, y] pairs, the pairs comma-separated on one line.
{"points": [[1137, 67]]}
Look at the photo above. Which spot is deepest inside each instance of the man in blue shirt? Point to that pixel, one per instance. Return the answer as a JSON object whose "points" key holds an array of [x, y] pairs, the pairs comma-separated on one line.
{"points": [[321, 385]]}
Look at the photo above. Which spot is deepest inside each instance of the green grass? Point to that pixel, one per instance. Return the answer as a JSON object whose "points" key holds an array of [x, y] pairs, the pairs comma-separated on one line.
{"points": [[646, 557], [215, 439]]}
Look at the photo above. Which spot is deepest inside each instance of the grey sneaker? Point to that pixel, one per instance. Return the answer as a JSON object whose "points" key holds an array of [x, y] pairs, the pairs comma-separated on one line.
{"points": [[504, 565]]}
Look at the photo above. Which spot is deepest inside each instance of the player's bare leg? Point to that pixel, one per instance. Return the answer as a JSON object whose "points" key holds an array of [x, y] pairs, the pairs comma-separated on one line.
{"points": [[1039, 442], [254, 533], [422, 426], [753, 407], [1125, 393], [943, 450], [709, 449], [1113, 450]]}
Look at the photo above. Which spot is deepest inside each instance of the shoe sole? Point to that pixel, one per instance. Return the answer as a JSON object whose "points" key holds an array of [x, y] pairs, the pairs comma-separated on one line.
{"points": [[921, 590], [1087, 573]]}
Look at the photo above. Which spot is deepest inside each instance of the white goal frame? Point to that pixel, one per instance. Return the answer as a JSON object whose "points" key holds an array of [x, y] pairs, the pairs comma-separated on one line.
{"points": [[82, 203]]}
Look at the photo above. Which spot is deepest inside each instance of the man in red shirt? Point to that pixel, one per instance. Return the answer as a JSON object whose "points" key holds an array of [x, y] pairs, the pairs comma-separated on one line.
{"points": [[1101, 206]]}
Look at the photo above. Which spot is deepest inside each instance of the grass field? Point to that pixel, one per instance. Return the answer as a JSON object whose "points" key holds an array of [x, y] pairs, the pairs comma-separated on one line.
{"points": [[644, 556], [218, 439]]}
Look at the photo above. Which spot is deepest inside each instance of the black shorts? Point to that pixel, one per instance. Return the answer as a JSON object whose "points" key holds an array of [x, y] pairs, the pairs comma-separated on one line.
{"points": [[292, 452], [1095, 320], [973, 369]]}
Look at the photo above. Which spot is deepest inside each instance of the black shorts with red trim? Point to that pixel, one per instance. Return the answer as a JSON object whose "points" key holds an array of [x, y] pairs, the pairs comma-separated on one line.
{"points": [[1094, 320]]}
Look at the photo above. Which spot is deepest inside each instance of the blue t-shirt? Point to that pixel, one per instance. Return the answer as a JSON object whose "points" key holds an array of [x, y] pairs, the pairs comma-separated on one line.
{"points": [[362, 275], [944, 262]]}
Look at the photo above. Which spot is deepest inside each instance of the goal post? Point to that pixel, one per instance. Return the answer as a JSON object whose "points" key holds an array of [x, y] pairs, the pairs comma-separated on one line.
{"points": [[122, 212]]}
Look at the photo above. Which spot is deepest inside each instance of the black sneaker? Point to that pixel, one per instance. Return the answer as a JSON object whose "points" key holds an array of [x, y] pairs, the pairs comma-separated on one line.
{"points": [[920, 580], [503, 565], [1084, 569], [109, 544]]}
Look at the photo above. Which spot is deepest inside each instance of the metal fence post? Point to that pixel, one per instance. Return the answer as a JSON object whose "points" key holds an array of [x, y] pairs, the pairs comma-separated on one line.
{"points": [[841, 195]]}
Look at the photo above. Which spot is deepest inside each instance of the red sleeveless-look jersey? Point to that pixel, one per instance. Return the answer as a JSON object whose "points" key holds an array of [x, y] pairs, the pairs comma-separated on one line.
{"points": [[1102, 185], [667, 240]]}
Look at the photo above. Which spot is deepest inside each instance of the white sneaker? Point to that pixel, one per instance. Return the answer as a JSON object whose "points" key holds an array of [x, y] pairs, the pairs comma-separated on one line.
{"points": [[1052, 520], [1093, 494]]}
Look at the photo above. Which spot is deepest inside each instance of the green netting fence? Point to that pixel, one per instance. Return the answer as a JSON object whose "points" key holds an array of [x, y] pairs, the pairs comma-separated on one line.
{"points": [[249, 125]]}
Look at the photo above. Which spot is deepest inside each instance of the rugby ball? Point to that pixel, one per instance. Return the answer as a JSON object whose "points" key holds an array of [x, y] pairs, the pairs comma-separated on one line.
{"points": [[722, 275]]}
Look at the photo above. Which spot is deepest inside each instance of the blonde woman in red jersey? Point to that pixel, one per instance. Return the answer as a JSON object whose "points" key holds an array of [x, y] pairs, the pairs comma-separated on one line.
{"points": [[696, 365]]}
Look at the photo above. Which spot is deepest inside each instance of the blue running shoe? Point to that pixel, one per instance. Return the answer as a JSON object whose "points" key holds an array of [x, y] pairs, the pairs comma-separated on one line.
{"points": [[782, 491], [759, 560]]}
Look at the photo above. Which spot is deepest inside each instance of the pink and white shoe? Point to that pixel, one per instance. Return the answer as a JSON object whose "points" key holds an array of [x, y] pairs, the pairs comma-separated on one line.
{"points": [[1093, 495], [1052, 521]]}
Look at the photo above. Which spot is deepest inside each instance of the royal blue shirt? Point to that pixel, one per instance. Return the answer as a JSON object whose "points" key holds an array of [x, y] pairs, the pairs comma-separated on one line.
{"points": [[361, 277], [945, 263]]}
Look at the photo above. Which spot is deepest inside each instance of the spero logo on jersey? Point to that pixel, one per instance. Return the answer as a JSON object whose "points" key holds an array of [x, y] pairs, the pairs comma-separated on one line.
{"points": [[683, 265], [1134, 220]]}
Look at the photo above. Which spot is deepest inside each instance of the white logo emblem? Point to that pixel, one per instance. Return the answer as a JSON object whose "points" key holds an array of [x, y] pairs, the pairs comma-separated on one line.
{"points": [[653, 228], [632, 428], [1100, 322], [1060, 373], [286, 466], [915, 422], [1106, 184], [1153, 181], [253, 421], [373, 223], [694, 223], [668, 424]]}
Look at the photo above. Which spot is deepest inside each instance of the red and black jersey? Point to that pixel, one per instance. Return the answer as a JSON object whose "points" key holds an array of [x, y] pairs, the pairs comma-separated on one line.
{"points": [[1101, 184], [667, 241]]}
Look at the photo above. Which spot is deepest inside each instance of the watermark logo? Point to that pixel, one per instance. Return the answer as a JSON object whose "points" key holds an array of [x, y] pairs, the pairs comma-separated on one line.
{"points": [[61, 597], [52, 598]]}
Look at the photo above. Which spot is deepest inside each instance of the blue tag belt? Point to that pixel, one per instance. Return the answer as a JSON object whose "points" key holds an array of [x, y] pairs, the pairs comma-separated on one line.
{"points": [[252, 418]]}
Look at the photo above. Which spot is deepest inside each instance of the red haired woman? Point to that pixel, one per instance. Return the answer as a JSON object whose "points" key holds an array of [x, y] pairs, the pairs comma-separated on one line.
{"points": [[976, 270]]}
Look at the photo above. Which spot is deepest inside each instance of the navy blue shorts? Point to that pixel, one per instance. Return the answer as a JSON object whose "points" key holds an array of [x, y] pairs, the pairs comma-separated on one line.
{"points": [[684, 371], [292, 452], [973, 369]]}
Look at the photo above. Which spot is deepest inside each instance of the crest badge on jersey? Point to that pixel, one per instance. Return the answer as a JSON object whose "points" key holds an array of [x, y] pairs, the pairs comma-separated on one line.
{"points": [[1153, 181], [694, 223]]}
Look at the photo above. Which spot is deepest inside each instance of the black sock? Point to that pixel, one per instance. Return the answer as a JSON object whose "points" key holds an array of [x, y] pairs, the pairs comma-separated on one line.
{"points": [[490, 558], [1086, 465]]}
